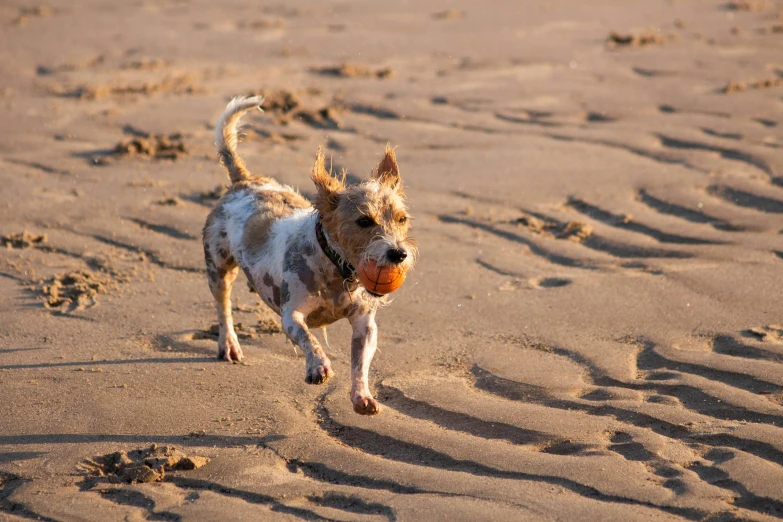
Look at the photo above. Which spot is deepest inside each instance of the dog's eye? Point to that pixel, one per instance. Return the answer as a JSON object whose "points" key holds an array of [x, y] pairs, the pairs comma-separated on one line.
{"points": [[403, 220], [365, 222]]}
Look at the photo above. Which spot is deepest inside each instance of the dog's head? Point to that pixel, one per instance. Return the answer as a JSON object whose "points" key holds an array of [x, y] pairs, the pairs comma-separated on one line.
{"points": [[368, 220]]}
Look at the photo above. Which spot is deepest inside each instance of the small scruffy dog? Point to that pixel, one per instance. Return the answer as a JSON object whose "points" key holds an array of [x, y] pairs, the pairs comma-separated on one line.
{"points": [[300, 257]]}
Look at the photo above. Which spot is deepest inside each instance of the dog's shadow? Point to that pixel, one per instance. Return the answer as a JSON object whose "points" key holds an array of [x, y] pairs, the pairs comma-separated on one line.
{"points": [[204, 343], [196, 342]]}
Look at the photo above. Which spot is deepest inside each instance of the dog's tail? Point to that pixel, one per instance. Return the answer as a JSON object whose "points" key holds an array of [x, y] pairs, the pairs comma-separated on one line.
{"points": [[226, 137]]}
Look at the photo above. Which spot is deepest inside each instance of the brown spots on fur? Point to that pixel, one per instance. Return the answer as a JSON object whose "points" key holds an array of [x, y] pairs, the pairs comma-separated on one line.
{"points": [[319, 317], [208, 259], [269, 282], [335, 285], [212, 272], [256, 233], [295, 261], [219, 262], [283, 199], [276, 295], [357, 351], [217, 256], [272, 205], [249, 185], [208, 230], [250, 284]]}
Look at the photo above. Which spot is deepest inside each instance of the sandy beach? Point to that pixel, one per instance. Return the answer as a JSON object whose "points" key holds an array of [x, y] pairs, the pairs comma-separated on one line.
{"points": [[593, 330]]}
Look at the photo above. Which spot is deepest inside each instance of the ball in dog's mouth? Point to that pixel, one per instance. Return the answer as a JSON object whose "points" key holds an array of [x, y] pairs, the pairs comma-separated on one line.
{"points": [[380, 280]]}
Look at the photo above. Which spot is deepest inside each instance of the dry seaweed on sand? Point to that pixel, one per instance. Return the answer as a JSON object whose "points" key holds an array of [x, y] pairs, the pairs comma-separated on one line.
{"points": [[572, 230], [768, 334], [769, 83], [280, 101], [22, 239], [287, 106], [77, 289], [156, 146], [179, 84], [142, 465]]}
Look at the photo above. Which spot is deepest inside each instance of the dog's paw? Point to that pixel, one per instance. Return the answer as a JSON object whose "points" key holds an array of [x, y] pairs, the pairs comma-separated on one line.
{"points": [[319, 374], [366, 406], [229, 350]]}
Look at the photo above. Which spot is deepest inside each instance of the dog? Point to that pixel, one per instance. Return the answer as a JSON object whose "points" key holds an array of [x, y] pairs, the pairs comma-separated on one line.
{"points": [[300, 257]]}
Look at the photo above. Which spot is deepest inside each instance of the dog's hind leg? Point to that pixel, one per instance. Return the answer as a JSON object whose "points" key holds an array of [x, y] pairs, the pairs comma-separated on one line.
{"points": [[222, 271], [228, 344]]}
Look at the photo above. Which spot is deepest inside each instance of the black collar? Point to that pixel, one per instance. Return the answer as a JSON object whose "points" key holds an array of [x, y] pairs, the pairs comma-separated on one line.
{"points": [[346, 269]]}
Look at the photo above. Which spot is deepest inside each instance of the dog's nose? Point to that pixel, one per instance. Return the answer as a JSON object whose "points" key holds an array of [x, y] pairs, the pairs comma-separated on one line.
{"points": [[396, 255]]}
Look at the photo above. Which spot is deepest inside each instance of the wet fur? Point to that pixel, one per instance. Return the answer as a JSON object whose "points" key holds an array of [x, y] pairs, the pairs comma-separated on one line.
{"points": [[268, 230]]}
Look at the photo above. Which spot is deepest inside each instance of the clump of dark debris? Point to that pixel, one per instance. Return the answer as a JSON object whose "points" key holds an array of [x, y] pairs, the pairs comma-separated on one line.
{"points": [[324, 118], [214, 194], [349, 70], [266, 325], [31, 12], [450, 14], [22, 239], [746, 5], [169, 202], [650, 37], [142, 465]]}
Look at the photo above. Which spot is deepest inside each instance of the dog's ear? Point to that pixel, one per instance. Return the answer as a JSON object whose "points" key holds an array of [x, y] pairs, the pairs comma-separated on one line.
{"points": [[328, 187], [387, 171]]}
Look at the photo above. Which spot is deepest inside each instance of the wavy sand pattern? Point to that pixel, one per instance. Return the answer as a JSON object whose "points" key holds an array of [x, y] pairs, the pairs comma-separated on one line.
{"points": [[593, 329]]}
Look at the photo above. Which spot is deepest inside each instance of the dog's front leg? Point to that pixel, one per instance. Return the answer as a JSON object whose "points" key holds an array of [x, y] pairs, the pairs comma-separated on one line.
{"points": [[319, 368], [364, 342]]}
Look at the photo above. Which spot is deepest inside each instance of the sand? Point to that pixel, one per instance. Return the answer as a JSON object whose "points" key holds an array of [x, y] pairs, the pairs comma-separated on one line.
{"points": [[593, 330]]}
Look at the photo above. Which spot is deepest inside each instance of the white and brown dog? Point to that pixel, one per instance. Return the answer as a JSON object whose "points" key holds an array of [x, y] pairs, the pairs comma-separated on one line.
{"points": [[300, 257]]}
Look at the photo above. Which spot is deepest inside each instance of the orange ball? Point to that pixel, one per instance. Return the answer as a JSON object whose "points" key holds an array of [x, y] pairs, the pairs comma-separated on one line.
{"points": [[380, 279]]}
